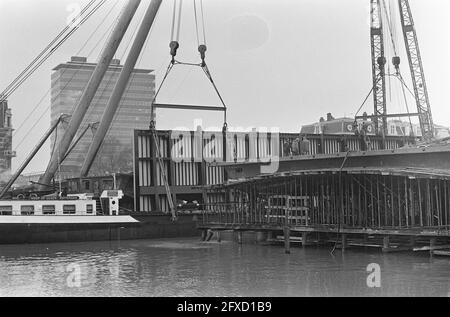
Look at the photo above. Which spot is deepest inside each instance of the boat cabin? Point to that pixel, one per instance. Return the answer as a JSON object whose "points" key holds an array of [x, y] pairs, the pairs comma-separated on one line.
{"points": [[72, 205]]}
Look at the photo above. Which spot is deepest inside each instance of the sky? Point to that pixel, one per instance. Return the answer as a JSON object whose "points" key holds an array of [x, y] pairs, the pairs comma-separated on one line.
{"points": [[278, 64]]}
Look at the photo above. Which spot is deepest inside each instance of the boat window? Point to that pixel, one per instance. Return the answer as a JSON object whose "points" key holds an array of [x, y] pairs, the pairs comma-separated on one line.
{"points": [[69, 209], [89, 208], [27, 210], [48, 209], [6, 210]]}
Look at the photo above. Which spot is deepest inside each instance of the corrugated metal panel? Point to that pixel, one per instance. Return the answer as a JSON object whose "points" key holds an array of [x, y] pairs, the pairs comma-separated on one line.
{"points": [[264, 147], [186, 174], [145, 173], [159, 175], [331, 146], [239, 146], [214, 175], [144, 147], [145, 203], [313, 146], [163, 147], [353, 145], [164, 203], [182, 148], [213, 147]]}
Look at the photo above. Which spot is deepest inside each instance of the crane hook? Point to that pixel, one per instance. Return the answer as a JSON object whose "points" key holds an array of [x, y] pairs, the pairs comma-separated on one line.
{"points": [[202, 50], [174, 46]]}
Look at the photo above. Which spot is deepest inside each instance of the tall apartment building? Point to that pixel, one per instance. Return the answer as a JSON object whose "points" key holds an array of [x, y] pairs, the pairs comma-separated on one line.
{"points": [[6, 153], [68, 83]]}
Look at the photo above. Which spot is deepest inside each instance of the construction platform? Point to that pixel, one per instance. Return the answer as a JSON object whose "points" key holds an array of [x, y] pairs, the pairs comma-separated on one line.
{"points": [[386, 199]]}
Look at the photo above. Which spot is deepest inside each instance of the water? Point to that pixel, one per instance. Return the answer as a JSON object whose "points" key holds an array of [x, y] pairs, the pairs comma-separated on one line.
{"points": [[180, 267]]}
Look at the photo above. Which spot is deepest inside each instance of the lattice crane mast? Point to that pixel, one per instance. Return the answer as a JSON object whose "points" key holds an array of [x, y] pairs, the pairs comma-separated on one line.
{"points": [[378, 67], [416, 68], [415, 64]]}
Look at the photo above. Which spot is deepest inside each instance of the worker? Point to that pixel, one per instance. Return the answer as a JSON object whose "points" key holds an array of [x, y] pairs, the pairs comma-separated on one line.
{"points": [[304, 146], [286, 148], [296, 147]]}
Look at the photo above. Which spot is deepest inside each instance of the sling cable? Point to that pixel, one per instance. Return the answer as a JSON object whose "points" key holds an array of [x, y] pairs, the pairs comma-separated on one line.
{"points": [[174, 46], [202, 49]]}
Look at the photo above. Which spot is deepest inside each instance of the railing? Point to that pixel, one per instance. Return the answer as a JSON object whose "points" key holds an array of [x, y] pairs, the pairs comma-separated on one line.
{"points": [[248, 214]]}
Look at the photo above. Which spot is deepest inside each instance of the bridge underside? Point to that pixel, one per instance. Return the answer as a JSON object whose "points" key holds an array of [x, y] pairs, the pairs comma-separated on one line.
{"points": [[401, 203], [388, 199]]}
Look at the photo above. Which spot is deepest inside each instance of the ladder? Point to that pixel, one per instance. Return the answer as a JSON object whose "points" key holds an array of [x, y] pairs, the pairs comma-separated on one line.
{"points": [[164, 176]]}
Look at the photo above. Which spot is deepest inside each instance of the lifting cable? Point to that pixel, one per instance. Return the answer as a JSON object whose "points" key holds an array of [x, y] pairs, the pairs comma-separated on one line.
{"points": [[202, 48], [49, 50], [69, 81]]}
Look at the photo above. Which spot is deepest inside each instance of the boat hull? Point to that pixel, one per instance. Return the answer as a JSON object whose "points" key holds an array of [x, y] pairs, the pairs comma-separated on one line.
{"points": [[102, 228]]}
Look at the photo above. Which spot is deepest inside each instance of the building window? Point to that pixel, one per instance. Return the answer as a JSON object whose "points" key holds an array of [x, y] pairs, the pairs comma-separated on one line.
{"points": [[69, 209], [86, 185], [48, 209], [108, 184], [73, 186], [6, 210], [89, 208], [27, 210], [393, 130]]}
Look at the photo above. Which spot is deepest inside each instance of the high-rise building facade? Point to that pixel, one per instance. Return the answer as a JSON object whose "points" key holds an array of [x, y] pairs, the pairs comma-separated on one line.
{"points": [[68, 83], [6, 152]]}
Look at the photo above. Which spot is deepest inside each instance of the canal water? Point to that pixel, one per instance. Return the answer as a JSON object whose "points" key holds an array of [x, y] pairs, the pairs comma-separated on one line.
{"points": [[188, 267]]}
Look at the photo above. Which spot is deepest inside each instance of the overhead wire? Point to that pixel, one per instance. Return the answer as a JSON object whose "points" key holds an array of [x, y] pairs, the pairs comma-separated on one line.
{"points": [[70, 80], [48, 46], [33, 69], [79, 51]]}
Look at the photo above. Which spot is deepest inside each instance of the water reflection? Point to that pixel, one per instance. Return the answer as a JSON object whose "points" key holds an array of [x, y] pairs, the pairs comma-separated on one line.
{"points": [[192, 268]]}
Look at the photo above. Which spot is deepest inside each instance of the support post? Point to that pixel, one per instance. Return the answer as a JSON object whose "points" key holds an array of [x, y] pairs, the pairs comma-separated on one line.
{"points": [[432, 245], [287, 240], [79, 113], [219, 236], [239, 237], [344, 242], [304, 239], [386, 243]]}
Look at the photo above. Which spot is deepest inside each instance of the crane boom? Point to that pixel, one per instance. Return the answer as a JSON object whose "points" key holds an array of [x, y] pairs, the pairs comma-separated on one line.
{"points": [[416, 68], [378, 67], [36, 149]]}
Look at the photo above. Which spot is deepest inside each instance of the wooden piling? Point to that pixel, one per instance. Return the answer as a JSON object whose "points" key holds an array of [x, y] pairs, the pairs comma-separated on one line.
{"points": [[304, 239], [344, 241], [239, 234], [386, 244], [432, 245], [219, 236], [287, 240]]}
